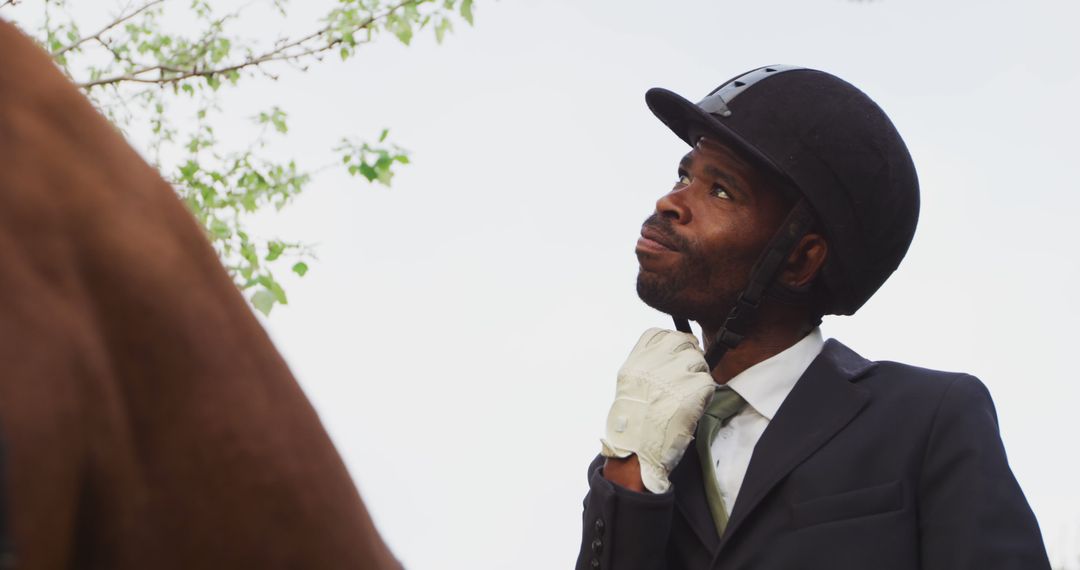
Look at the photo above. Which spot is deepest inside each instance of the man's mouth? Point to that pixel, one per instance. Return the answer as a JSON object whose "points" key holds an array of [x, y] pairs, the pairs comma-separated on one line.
{"points": [[653, 239]]}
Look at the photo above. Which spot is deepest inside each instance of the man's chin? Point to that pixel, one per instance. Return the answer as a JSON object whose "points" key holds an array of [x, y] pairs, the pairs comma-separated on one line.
{"points": [[670, 294], [659, 293]]}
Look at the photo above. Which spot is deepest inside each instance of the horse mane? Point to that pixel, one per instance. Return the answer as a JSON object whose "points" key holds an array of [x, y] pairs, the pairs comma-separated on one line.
{"points": [[146, 418]]}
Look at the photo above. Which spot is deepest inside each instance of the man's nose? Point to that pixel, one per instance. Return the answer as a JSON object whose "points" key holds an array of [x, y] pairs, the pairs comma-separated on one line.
{"points": [[674, 207]]}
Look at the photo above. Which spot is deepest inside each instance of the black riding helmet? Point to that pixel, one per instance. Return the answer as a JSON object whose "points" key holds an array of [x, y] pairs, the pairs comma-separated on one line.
{"points": [[842, 154]]}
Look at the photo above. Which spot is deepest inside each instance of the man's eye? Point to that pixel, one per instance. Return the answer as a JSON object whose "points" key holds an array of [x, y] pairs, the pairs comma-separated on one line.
{"points": [[720, 192], [684, 179]]}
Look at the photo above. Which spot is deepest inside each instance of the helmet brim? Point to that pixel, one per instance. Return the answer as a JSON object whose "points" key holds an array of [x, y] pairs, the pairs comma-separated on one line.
{"points": [[690, 122]]}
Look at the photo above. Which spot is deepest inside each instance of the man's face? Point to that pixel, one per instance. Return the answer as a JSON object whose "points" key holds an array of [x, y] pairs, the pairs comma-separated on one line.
{"points": [[698, 247]]}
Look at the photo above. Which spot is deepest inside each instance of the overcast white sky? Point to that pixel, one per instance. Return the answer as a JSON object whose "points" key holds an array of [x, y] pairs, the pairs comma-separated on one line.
{"points": [[461, 331]]}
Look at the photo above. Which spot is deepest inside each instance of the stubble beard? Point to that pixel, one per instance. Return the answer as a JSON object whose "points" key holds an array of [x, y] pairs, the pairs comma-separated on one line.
{"points": [[664, 292], [685, 293], [690, 290]]}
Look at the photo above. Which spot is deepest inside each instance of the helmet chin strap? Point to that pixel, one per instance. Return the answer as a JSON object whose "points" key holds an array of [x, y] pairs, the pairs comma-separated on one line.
{"points": [[766, 268], [682, 325]]}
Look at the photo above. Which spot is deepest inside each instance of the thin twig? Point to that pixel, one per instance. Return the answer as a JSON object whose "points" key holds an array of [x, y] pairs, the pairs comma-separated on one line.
{"points": [[9, 3], [182, 73], [97, 35], [117, 56], [279, 53]]}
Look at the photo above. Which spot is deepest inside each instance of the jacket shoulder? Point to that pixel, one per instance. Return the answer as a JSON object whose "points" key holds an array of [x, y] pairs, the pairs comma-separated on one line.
{"points": [[890, 378]]}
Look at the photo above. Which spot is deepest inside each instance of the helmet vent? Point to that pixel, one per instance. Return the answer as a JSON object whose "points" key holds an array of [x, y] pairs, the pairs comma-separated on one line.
{"points": [[728, 91]]}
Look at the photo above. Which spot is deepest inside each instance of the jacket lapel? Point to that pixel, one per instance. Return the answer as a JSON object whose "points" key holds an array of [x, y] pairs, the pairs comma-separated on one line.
{"points": [[690, 498], [822, 402]]}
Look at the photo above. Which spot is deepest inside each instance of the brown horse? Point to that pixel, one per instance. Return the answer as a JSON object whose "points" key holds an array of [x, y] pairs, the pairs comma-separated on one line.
{"points": [[146, 418]]}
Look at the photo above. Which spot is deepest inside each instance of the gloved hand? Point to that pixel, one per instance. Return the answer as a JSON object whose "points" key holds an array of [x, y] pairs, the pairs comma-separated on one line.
{"points": [[661, 392]]}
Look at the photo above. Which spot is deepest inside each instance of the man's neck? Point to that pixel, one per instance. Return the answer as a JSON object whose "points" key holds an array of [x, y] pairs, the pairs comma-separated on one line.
{"points": [[766, 341]]}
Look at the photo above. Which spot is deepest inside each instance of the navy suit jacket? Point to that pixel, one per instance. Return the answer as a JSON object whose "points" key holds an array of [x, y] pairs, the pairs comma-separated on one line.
{"points": [[866, 465]]}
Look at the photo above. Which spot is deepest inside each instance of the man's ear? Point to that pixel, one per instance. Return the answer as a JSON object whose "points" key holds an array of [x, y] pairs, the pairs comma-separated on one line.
{"points": [[805, 262]]}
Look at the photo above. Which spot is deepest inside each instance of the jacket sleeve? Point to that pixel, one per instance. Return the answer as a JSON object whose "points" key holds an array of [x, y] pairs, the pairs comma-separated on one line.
{"points": [[623, 529], [972, 513]]}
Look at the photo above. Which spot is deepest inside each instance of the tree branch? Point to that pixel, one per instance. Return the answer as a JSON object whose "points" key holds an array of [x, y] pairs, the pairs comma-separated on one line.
{"points": [[9, 3], [181, 74], [117, 56], [97, 35], [282, 52]]}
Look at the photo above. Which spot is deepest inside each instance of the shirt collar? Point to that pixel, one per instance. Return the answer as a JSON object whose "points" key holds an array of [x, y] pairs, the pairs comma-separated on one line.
{"points": [[766, 384]]}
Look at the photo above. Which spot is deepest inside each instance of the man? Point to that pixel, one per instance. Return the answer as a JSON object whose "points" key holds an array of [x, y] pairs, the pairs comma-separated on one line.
{"points": [[774, 449]]}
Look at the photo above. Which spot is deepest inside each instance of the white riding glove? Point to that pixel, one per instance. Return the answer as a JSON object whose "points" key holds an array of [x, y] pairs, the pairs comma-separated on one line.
{"points": [[661, 392]]}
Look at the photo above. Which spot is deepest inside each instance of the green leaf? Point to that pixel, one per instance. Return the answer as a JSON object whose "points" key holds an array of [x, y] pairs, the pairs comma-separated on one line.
{"points": [[247, 251], [278, 292], [275, 250], [385, 175], [274, 288], [279, 122], [400, 27], [189, 169], [466, 11], [275, 117], [382, 136], [441, 28], [263, 301], [300, 268], [368, 171], [220, 229]]}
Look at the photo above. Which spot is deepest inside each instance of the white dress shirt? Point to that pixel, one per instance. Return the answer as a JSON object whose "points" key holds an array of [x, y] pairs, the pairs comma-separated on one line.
{"points": [[764, 386]]}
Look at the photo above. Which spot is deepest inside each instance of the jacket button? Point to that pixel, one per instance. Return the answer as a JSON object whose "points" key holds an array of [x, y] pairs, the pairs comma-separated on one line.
{"points": [[595, 563], [597, 546], [599, 526]]}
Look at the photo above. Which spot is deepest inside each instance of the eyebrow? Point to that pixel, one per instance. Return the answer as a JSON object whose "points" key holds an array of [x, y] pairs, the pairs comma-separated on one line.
{"points": [[687, 162]]}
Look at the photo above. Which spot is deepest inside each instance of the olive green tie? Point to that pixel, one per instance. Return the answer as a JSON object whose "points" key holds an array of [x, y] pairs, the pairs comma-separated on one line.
{"points": [[724, 405]]}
